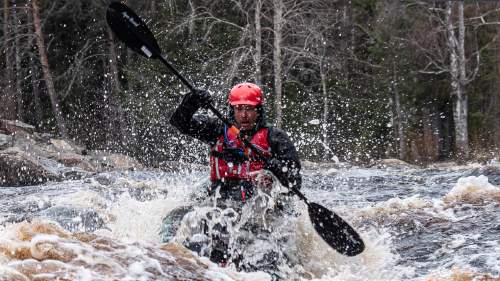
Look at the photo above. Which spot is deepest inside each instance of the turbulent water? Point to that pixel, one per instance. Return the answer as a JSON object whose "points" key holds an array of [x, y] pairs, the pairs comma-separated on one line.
{"points": [[440, 223]]}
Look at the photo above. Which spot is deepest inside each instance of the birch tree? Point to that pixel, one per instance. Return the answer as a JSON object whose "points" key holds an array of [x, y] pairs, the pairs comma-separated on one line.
{"points": [[278, 19], [258, 42], [459, 79], [449, 56]]}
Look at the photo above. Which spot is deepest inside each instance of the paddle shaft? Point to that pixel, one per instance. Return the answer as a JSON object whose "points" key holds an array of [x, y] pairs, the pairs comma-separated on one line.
{"points": [[188, 84], [177, 73]]}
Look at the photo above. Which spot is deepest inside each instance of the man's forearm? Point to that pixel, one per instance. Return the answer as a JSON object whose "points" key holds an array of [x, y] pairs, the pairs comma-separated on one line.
{"points": [[181, 118]]}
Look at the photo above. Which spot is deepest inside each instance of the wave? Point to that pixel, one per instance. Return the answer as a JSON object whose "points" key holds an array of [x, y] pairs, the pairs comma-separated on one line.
{"points": [[42, 250], [473, 190], [396, 206], [460, 274]]}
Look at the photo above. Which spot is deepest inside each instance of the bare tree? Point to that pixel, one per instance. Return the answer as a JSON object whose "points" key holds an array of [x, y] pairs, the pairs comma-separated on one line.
{"points": [[19, 70], [459, 78], [113, 61], [116, 122], [258, 42], [278, 22], [8, 98], [495, 104], [34, 70], [398, 116], [449, 56], [47, 74]]}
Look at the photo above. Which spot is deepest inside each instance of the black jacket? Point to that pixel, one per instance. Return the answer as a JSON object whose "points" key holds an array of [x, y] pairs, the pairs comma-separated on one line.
{"points": [[284, 162]]}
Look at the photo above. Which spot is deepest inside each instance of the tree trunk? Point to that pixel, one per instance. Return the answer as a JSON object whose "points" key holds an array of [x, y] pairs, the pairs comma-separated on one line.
{"points": [[277, 61], [19, 70], [47, 75], [326, 112], [34, 70], [116, 122], [35, 84], [113, 63], [458, 81], [8, 104], [398, 118], [462, 105], [430, 140], [348, 44], [494, 112], [258, 43], [192, 16]]}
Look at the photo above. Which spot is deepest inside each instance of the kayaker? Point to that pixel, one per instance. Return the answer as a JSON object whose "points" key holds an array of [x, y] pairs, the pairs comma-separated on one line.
{"points": [[235, 167]]}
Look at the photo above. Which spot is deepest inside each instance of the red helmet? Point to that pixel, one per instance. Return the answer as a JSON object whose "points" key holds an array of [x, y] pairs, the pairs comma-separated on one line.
{"points": [[246, 93]]}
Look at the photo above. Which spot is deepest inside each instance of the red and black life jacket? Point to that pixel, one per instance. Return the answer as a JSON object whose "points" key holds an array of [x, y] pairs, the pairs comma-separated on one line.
{"points": [[244, 168]]}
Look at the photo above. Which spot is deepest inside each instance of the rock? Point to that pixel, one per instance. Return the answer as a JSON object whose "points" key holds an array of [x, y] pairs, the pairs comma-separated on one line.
{"points": [[74, 173], [111, 161], [105, 179], [45, 137], [391, 163], [14, 126], [308, 165], [18, 168], [31, 145], [34, 158], [124, 162], [74, 219], [61, 145], [5, 141], [75, 160]]}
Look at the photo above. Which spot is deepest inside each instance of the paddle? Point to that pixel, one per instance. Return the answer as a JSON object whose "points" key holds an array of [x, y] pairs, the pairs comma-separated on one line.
{"points": [[132, 30]]}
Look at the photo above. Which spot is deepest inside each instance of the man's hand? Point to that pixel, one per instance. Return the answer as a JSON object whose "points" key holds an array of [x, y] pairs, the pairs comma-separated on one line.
{"points": [[198, 98]]}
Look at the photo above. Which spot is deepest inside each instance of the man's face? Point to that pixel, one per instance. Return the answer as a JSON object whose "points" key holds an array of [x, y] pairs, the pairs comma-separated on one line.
{"points": [[245, 116]]}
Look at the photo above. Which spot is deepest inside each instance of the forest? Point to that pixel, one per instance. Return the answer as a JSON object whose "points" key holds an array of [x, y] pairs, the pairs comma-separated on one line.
{"points": [[348, 80]]}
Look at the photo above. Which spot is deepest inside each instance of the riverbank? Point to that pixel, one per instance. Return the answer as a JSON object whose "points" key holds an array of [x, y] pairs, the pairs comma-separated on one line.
{"points": [[28, 157]]}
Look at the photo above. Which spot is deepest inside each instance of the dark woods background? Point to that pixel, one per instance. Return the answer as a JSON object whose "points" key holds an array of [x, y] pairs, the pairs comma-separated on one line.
{"points": [[357, 80]]}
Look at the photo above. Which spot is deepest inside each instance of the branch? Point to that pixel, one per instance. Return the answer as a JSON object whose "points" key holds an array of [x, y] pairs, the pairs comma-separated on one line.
{"points": [[481, 17]]}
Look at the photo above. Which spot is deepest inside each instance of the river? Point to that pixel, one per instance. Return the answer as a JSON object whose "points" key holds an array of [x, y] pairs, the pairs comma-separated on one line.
{"points": [[436, 223]]}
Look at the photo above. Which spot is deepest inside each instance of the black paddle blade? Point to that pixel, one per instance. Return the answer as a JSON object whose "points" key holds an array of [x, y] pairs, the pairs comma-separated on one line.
{"points": [[335, 231], [132, 30]]}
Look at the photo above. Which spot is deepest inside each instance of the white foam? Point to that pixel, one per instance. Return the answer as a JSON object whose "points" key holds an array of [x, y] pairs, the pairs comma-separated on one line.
{"points": [[137, 271], [457, 241], [320, 261], [135, 220], [397, 205], [363, 173], [82, 199], [472, 184]]}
